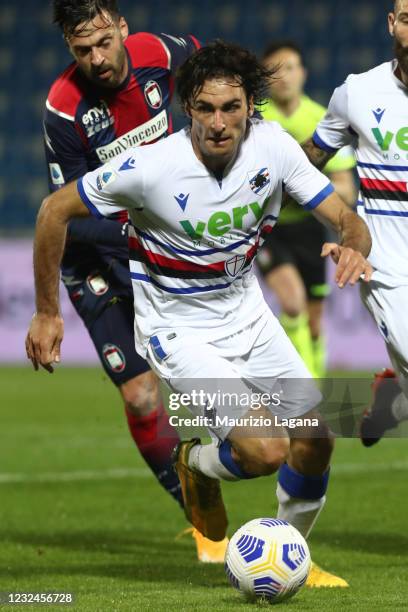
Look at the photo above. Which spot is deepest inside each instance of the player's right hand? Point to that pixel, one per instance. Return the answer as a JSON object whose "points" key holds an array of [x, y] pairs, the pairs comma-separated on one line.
{"points": [[351, 265], [43, 342]]}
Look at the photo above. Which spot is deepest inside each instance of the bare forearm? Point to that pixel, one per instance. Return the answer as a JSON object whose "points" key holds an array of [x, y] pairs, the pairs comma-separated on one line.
{"points": [[344, 185], [55, 212], [351, 229], [49, 244], [44, 337], [353, 233], [317, 157]]}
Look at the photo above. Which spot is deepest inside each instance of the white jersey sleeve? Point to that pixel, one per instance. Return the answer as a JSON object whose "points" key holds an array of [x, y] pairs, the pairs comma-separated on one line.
{"points": [[334, 131], [301, 180], [116, 186]]}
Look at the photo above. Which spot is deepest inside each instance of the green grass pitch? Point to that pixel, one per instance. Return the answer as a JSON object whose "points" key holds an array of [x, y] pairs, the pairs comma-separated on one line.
{"points": [[80, 512]]}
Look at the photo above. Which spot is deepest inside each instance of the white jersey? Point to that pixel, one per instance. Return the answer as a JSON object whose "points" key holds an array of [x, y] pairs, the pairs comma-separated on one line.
{"points": [[193, 238], [370, 112]]}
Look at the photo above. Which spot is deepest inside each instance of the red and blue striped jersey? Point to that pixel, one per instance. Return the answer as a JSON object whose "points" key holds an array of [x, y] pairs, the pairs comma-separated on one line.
{"points": [[369, 111], [86, 125]]}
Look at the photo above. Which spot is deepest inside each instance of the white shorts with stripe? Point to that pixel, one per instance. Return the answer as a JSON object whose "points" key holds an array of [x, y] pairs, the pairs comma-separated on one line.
{"points": [[388, 306], [247, 361]]}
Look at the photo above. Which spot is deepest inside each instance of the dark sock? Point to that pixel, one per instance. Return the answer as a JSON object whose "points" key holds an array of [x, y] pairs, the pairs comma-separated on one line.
{"points": [[156, 439]]}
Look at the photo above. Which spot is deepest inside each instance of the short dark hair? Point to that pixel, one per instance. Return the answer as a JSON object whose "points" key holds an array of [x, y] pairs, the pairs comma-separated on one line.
{"points": [[68, 14], [278, 45], [222, 59]]}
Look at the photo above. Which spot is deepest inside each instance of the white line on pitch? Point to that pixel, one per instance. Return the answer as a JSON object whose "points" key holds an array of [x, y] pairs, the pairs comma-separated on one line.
{"points": [[124, 473], [78, 475], [363, 468]]}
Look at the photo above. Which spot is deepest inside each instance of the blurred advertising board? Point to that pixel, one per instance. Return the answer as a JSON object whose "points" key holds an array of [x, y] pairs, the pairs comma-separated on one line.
{"points": [[353, 340]]}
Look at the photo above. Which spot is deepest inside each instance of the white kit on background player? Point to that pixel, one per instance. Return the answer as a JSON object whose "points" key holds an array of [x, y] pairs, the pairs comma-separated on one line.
{"points": [[192, 240], [369, 111]]}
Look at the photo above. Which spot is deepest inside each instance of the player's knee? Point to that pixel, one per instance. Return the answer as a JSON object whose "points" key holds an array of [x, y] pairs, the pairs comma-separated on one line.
{"points": [[293, 309], [264, 456], [141, 394], [288, 286], [293, 301]]}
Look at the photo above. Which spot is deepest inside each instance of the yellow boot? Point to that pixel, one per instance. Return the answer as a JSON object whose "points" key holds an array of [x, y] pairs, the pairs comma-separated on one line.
{"points": [[320, 578], [207, 550], [203, 504]]}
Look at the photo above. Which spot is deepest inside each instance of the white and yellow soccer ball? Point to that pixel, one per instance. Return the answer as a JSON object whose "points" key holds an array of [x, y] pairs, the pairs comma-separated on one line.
{"points": [[267, 558]]}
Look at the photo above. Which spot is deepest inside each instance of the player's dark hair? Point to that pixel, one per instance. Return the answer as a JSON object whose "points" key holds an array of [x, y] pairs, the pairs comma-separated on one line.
{"points": [[222, 59], [278, 45], [68, 14]]}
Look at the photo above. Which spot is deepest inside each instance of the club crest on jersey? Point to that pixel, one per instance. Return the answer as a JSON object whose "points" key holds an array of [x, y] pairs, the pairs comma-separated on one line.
{"points": [[153, 94], [97, 284], [105, 178], [259, 180], [234, 265], [114, 357]]}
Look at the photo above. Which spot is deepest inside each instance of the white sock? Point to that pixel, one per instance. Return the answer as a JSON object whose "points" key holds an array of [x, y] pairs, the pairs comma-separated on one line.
{"points": [[301, 513], [205, 458], [399, 408]]}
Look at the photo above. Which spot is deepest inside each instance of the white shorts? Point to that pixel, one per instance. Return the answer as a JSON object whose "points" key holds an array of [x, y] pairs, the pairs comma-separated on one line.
{"points": [[388, 307], [245, 362]]}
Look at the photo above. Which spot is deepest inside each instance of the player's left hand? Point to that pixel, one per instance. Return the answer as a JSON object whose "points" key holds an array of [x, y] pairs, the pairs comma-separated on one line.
{"points": [[351, 265], [43, 341]]}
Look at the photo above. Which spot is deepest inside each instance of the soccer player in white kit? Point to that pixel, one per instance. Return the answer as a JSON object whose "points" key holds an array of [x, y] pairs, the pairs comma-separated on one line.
{"points": [[370, 112], [199, 204]]}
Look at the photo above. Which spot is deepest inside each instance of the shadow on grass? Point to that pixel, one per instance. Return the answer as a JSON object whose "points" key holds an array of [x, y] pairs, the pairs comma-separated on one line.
{"points": [[130, 557], [150, 557], [364, 542]]}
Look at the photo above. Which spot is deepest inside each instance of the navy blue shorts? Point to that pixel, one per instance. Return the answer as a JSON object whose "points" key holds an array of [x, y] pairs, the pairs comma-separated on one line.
{"points": [[106, 308], [113, 336], [298, 244]]}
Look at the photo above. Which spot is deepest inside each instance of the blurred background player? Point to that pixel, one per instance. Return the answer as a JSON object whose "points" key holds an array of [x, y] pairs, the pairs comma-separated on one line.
{"points": [[369, 111], [290, 261], [114, 95]]}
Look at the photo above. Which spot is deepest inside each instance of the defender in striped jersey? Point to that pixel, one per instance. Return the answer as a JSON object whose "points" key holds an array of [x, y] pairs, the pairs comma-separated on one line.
{"points": [[369, 112], [200, 203]]}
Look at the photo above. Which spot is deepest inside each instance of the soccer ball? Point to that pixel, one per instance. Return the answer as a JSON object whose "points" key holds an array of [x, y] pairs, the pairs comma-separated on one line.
{"points": [[268, 558]]}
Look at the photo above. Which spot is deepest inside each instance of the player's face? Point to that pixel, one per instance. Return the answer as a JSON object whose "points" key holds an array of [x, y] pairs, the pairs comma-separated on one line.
{"points": [[398, 27], [98, 48], [219, 116], [289, 80]]}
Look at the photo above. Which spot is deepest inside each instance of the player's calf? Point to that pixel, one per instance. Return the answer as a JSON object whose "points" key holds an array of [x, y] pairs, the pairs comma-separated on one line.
{"points": [[141, 394], [303, 480], [311, 455], [150, 429]]}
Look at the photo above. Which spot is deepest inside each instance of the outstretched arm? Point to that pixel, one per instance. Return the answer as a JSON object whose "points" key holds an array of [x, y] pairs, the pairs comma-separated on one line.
{"points": [[344, 185], [46, 329], [354, 240]]}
